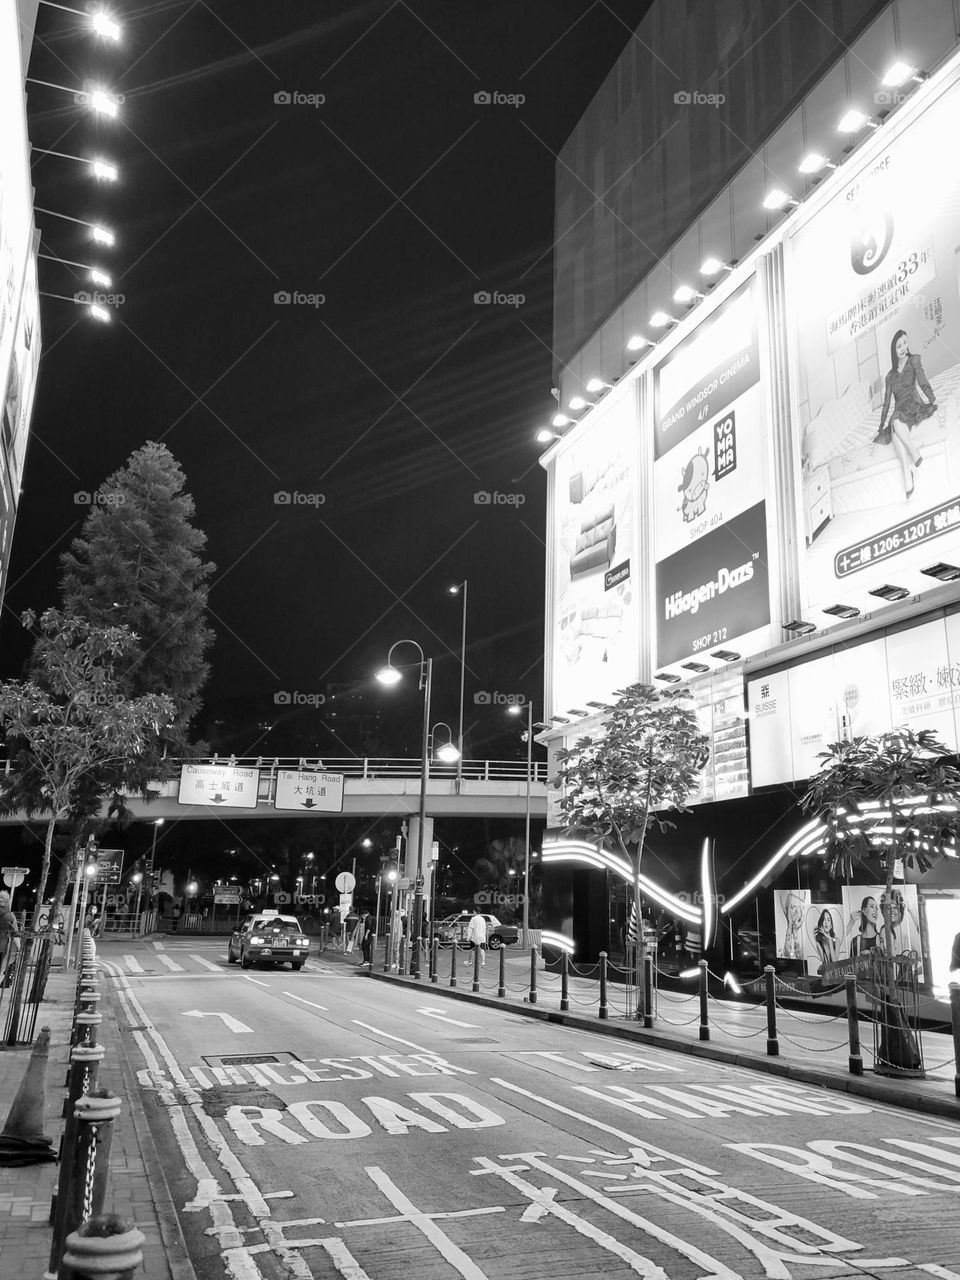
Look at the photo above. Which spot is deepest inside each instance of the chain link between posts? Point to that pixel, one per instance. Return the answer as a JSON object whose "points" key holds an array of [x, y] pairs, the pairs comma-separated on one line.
{"points": [[88, 1175]]}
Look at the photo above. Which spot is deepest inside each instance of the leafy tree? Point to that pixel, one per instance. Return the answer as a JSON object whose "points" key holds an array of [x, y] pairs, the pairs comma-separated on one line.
{"points": [[139, 561], [646, 762], [71, 732], [885, 799]]}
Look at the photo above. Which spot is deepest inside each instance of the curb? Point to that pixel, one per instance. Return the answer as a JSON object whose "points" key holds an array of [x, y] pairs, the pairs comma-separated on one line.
{"points": [[174, 1245], [860, 1086]]}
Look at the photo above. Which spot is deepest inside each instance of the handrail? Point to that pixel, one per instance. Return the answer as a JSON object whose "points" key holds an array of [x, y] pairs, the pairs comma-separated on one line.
{"points": [[371, 767]]}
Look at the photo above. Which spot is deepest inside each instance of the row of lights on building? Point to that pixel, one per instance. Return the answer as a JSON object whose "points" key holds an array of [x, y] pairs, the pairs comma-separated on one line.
{"points": [[853, 121], [103, 103]]}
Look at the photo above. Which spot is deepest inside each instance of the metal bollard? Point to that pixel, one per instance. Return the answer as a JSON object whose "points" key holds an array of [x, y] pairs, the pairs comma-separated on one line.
{"points": [[564, 982], [434, 960], [704, 1012], [476, 969], [770, 985], [502, 980], [647, 989], [104, 1247], [82, 1074], [855, 1061], [85, 1027], [453, 963], [386, 952], [955, 1019], [604, 1009], [532, 996], [83, 1179]]}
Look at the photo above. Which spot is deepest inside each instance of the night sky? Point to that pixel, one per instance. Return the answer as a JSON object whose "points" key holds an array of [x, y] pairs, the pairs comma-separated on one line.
{"points": [[396, 397]]}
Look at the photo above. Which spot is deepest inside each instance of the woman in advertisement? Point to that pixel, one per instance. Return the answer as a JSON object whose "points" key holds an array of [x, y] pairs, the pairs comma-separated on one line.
{"points": [[868, 917], [793, 908], [824, 935], [905, 377]]}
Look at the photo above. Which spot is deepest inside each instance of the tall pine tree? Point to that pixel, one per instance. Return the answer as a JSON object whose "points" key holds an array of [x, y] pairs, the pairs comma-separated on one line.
{"points": [[138, 561]]}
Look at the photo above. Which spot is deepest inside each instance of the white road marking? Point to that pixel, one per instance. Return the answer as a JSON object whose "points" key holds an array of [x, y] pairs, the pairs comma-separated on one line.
{"points": [[207, 964], [451, 1253], [229, 1021], [133, 964], [441, 1016], [387, 1036], [309, 1002], [157, 946], [247, 978], [171, 964]]}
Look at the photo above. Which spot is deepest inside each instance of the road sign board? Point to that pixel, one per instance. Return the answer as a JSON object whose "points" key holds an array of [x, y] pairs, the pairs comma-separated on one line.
{"points": [[109, 866], [345, 881], [304, 792], [13, 876], [229, 896], [221, 785]]}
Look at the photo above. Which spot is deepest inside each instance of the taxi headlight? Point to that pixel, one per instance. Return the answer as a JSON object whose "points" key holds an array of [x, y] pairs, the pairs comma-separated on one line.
{"points": [[302, 942], [258, 941]]}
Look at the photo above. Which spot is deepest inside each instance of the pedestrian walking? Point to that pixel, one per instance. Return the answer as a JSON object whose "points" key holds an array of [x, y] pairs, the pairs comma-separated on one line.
{"points": [[9, 940], [477, 934], [955, 955]]}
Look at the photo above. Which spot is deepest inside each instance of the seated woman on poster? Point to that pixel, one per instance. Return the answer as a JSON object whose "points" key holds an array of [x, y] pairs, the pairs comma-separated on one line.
{"points": [[824, 935]]}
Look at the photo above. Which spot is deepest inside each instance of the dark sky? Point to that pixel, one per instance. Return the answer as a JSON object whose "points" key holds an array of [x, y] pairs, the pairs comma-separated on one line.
{"points": [[396, 399]]}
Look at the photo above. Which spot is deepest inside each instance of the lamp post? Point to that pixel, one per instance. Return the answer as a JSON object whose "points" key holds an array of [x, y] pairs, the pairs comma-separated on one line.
{"points": [[460, 589], [516, 710], [389, 675], [137, 879]]}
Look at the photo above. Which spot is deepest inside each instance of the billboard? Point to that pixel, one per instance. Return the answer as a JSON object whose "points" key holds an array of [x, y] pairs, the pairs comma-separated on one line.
{"points": [[873, 296], [15, 188], [909, 677], [709, 481], [17, 404], [596, 607]]}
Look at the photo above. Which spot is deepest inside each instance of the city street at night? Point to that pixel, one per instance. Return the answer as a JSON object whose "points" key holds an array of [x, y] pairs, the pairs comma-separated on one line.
{"points": [[323, 1124]]}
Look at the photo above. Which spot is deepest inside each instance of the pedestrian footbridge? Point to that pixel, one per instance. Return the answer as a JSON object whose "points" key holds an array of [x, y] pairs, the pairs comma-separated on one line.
{"points": [[372, 787]]}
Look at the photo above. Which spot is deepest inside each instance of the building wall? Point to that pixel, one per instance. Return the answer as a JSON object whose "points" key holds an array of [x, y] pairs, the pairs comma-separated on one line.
{"points": [[647, 186]]}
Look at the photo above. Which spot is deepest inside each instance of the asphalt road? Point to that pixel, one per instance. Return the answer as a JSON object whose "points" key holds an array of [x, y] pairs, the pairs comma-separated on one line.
{"points": [[379, 1132]]}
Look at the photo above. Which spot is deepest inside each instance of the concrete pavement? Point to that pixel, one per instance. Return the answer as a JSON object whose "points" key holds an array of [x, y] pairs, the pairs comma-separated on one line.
{"points": [[136, 1189]]}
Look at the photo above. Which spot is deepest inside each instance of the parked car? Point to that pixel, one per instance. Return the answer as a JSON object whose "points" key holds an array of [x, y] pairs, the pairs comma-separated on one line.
{"points": [[453, 929], [268, 938]]}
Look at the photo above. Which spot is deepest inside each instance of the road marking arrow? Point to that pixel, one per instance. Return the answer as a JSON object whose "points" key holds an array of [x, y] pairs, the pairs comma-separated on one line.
{"points": [[439, 1013], [234, 1024]]}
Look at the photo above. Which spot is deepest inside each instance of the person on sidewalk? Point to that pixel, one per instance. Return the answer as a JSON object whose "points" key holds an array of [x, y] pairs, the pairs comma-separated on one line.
{"points": [[366, 942], [9, 940], [955, 955], [477, 934]]}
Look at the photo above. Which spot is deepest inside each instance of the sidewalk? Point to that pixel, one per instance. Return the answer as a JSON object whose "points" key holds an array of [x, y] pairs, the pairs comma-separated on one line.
{"points": [[813, 1047], [136, 1189]]}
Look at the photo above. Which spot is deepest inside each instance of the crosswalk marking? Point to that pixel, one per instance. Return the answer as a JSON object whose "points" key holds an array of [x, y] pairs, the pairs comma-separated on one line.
{"points": [[157, 946], [171, 964], [133, 964], [207, 964]]}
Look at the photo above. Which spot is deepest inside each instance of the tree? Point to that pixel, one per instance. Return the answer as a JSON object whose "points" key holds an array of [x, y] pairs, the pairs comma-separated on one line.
{"points": [[139, 561], [886, 799], [71, 732], [615, 786]]}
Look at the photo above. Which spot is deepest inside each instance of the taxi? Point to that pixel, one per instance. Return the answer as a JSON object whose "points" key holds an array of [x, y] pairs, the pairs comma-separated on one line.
{"points": [[268, 938]]}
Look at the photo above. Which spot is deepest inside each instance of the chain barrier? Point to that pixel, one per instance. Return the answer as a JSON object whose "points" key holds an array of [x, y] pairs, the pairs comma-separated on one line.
{"points": [[809, 1048], [673, 1022], [737, 1035], [88, 1176], [818, 1019]]}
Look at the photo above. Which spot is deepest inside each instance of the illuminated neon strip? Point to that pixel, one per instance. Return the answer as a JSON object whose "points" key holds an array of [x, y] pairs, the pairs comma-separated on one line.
{"points": [[558, 940], [706, 894], [582, 851]]}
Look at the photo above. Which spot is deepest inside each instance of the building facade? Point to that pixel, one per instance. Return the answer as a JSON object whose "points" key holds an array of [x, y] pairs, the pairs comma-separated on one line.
{"points": [[755, 486], [19, 297]]}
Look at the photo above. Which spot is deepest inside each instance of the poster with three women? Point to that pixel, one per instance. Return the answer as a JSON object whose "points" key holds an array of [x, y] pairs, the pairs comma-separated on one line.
{"points": [[874, 298], [826, 932]]}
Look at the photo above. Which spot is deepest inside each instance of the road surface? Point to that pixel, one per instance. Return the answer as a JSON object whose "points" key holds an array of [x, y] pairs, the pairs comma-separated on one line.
{"points": [[320, 1124]]}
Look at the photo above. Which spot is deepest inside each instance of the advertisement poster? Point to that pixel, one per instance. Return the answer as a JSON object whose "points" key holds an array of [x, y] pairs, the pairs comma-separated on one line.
{"points": [[21, 384], [596, 629], [710, 516], [825, 939], [863, 921], [790, 912], [14, 186], [873, 293], [908, 677]]}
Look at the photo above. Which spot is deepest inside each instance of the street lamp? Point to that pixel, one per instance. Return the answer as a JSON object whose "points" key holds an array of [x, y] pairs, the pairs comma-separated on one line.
{"points": [[447, 752], [137, 879], [389, 675], [516, 710], [460, 589]]}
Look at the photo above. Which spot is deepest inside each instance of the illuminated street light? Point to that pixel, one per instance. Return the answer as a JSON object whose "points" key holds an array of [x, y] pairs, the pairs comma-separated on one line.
{"points": [[814, 162], [99, 167]]}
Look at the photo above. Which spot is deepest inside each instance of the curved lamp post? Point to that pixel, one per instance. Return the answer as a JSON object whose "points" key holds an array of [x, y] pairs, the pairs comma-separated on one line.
{"points": [[517, 710], [390, 675]]}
